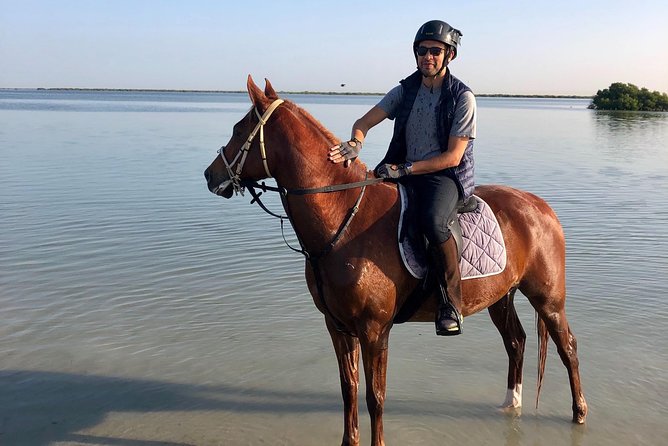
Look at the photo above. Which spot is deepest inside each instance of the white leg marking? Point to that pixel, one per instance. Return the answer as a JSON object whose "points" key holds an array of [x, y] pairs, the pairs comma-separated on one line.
{"points": [[513, 397]]}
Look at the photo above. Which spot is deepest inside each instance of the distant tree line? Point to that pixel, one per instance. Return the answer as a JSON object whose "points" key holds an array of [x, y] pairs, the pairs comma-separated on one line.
{"points": [[620, 96]]}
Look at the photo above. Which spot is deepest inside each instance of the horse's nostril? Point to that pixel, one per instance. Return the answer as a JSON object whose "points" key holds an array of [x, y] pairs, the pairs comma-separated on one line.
{"points": [[206, 175]]}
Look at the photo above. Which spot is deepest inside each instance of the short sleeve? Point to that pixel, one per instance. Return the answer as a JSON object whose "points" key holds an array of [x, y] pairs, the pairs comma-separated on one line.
{"points": [[464, 121], [391, 101]]}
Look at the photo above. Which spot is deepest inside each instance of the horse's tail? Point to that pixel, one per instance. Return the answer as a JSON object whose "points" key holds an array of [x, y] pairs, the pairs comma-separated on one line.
{"points": [[542, 353]]}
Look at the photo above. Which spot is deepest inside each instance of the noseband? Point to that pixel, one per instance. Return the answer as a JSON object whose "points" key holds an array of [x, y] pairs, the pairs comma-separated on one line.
{"points": [[235, 174]]}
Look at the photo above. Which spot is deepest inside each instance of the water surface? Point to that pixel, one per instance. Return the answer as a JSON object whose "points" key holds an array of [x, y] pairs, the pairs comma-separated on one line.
{"points": [[138, 308]]}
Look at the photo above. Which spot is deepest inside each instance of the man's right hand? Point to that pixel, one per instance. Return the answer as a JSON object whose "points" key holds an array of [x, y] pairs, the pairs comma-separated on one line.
{"points": [[345, 152]]}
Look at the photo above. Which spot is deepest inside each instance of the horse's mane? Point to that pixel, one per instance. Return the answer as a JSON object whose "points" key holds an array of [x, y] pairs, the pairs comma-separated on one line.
{"points": [[314, 122], [329, 136]]}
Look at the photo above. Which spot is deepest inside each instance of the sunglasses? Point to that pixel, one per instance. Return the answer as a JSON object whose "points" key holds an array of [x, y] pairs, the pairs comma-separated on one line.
{"points": [[434, 50]]}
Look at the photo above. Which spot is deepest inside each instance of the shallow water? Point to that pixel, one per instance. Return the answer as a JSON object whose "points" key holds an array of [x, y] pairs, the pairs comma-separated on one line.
{"points": [[140, 309]]}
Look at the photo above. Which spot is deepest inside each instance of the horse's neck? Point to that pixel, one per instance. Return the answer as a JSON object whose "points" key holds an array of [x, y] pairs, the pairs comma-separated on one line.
{"points": [[317, 217]]}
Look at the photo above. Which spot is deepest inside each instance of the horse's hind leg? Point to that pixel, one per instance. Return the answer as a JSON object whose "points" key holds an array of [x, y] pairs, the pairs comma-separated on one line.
{"points": [[505, 319], [347, 350], [567, 346], [553, 313]]}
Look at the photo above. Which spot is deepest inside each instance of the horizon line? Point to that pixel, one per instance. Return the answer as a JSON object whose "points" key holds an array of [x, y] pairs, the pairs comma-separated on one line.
{"points": [[333, 93]]}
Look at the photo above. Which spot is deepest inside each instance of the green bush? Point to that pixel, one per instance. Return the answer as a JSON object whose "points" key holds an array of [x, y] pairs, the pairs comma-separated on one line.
{"points": [[620, 96]]}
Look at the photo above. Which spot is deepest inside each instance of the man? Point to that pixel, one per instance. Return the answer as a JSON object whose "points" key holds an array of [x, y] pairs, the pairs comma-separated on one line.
{"points": [[431, 152]]}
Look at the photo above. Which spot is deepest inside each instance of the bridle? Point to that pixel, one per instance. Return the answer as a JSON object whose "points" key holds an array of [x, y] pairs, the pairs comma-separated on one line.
{"points": [[235, 174], [239, 185], [240, 158]]}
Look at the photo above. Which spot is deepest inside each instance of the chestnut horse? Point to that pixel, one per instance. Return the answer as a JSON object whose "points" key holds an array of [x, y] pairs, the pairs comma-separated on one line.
{"points": [[354, 270]]}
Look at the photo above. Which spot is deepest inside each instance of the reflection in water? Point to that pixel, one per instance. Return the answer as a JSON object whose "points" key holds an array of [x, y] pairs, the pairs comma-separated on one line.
{"points": [[540, 432], [631, 136], [577, 434], [625, 121], [513, 431]]}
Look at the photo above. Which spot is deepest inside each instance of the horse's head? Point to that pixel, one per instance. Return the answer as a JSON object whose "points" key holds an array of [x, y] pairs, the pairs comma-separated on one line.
{"points": [[244, 156]]}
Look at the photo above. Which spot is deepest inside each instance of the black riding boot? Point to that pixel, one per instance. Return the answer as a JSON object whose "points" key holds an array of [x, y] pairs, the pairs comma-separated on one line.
{"points": [[449, 316]]}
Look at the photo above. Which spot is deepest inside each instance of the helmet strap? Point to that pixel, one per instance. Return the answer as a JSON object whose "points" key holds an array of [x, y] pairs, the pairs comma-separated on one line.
{"points": [[446, 56]]}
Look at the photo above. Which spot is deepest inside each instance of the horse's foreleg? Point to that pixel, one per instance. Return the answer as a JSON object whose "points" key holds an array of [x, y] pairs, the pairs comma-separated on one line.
{"points": [[374, 355], [567, 346], [505, 319], [347, 355]]}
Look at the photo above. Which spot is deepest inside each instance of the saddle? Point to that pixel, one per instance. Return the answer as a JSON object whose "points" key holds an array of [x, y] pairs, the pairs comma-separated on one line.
{"points": [[479, 240], [463, 206]]}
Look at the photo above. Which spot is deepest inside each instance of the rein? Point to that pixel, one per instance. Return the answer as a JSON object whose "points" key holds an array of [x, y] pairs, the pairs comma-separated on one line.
{"points": [[283, 192], [239, 185]]}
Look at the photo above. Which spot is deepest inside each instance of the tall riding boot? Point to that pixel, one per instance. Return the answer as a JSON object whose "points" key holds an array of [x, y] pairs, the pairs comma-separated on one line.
{"points": [[449, 316]]}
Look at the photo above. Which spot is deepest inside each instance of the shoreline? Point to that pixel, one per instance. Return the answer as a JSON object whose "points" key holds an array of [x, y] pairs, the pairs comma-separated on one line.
{"points": [[326, 93]]}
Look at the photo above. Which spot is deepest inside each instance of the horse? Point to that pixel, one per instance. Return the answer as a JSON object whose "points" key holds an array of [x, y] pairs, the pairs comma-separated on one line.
{"points": [[346, 222]]}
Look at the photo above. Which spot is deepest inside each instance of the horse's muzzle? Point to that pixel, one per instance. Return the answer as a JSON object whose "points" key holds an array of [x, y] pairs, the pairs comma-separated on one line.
{"points": [[217, 185]]}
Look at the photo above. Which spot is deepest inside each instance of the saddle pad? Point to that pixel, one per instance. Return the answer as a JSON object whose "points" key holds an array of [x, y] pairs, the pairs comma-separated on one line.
{"points": [[483, 249]]}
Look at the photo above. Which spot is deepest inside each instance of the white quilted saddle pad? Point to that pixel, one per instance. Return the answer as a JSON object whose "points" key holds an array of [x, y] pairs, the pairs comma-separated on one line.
{"points": [[483, 253]]}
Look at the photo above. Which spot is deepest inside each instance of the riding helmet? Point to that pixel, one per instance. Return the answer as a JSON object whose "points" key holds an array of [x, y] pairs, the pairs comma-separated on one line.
{"points": [[439, 31]]}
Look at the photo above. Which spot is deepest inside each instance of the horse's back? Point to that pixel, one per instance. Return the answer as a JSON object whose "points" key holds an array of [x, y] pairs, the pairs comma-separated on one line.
{"points": [[518, 210], [534, 239]]}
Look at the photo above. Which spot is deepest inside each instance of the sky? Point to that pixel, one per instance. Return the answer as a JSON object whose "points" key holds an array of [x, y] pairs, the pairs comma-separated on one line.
{"points": [[512, 47]]}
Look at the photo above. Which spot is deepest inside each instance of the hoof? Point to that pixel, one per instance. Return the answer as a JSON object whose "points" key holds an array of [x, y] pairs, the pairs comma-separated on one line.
{"points": [[505, 407], [510, 411], [513, 398], [510, 406]]}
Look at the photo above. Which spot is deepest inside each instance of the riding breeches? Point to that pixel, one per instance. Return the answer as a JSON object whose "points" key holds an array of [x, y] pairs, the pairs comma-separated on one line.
{"points": [[437, 196]]}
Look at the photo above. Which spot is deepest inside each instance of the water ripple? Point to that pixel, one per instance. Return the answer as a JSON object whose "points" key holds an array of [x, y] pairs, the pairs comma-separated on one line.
{"points": [[116, 260]]}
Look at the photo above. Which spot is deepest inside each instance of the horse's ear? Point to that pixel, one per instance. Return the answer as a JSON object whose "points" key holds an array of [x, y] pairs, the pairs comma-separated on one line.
{"points": [[269, 90], [257, 97]]}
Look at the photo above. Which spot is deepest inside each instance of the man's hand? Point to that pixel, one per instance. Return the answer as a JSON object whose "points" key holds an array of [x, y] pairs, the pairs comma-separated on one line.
{"points": [[392, 171], [345, 152]]}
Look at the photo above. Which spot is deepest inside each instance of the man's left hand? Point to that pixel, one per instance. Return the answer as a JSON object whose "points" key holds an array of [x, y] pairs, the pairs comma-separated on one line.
{"points": [[392, 171]]}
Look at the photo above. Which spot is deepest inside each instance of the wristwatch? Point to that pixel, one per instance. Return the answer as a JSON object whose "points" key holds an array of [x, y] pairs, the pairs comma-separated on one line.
{"points": [[408, 167]]}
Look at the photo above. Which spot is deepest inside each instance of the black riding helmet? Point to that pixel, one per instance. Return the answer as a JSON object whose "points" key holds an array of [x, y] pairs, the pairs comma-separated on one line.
{"points": [[439, 31]]}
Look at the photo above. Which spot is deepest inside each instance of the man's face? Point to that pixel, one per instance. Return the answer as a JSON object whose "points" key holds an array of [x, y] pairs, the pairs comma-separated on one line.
{"points": [[429, 62]]}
